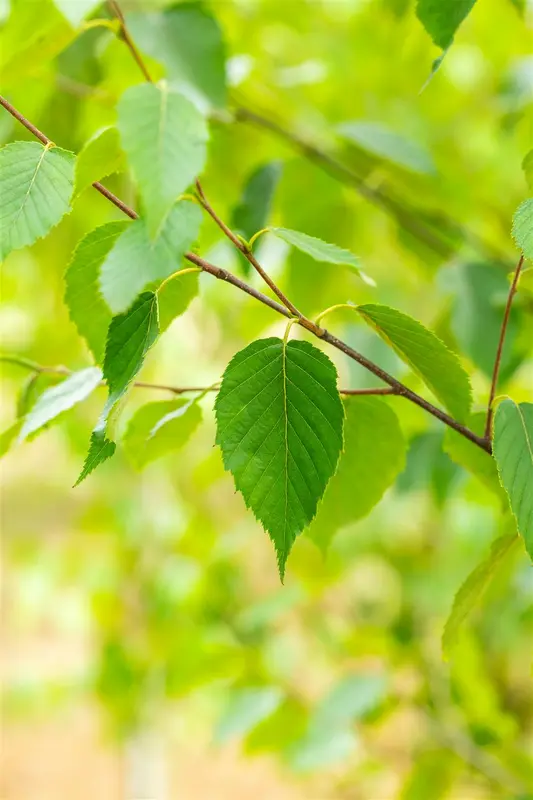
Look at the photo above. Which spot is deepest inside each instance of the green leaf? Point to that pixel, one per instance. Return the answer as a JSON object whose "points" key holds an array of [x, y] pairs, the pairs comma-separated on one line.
{"points": [[527, 166], [35, 190], [473, 588], [52, 402], [99, 157], [321, 749], [76, 10], [471, 457], [321, 251], [423, 351], [523, 227], [513, 451], [246, 708], [373, 456], [159, 428], [279, 425], [129, 338], [441, 18], [86, 306], [174, 297], [188, 41], [428, 466], [388, 145], [251, 214], [100, 450], [164, 137], [135, 261], [352, 698], [9, 436]]}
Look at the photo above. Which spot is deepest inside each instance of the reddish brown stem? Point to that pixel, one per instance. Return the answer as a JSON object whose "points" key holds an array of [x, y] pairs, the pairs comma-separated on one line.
{"points": [[501, 341], [128, 41]]}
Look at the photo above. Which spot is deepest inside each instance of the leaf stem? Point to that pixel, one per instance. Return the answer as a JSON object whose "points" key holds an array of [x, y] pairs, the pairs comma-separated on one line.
{"points": [[177, 274], [128, 41], [333, 308], [324, 335], [501, 341]]}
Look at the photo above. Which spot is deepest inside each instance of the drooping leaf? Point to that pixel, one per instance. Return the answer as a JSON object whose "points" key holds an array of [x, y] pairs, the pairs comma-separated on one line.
{"points": [[428, 467], [386, 144], [86, 306], [9, 436], [352, 698], [251, 214], [100, 450], [513, 451], [246, 708], [35, 190], [527, 166], [473, 458], [320, 749], [439, 368], [164, 137], [373, 456], [159, 428], [473, 588], [279, 425], [441, 18], [174, 297], [99, 157], [129, 338], [523, 227], [54, 401], [321, 251], [135, 261], [187, 40]]}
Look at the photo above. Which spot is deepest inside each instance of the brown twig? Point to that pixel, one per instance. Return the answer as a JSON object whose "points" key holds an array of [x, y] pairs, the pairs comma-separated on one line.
{"points": [[321, 333], [501, 341], [128, 41]]}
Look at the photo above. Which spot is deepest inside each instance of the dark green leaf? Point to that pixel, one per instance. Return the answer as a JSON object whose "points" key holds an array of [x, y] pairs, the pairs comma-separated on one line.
{"points": [[513, 451], [135, 261], [374, 454], [279, 425], [473, 588], [441, 18], [164, 137], [428, 467], [100, 449], [253, 211], [438, 367], [35, 189], [82, 294], [99, 157], [159, 428], [471, 457]]}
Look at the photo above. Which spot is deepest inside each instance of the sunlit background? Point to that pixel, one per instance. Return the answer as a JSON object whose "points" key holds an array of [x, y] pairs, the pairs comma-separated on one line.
{"points": [[150, 650]]}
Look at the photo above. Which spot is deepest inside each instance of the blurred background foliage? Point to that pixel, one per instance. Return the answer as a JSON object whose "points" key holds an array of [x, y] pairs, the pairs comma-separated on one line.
{"points": [[149, 603]]}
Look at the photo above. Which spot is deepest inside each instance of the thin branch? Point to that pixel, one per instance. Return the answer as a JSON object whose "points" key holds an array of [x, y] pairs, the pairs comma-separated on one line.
{"points": [[128, 41], [501, 341], [323, 334], [246, 251]]}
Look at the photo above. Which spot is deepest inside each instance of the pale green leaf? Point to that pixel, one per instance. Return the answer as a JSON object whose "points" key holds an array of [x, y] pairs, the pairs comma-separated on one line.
{"points": [[174, 297], [99, 157], [380, 141], [513, 451], [471, 457], [321, 749], [159, 428], [54, 401], [321, 251], [373, 456], [423, 351], [76, 10], [253, 210], [523, 227], [35, 189], [136, 261], [86, 306], [352, 698], [473, 588], [164, 137], [527, 166], [246, 708], [100, 450], [441, 18], [279, 425], [188, 41]]}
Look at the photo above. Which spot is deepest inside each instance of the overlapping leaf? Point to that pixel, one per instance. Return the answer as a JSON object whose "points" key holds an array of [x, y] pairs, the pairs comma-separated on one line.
{"points": [[471, 457], [135, 261], [174, 297], [99, 157], [523, 228], [419, 347], [513, 451], [279, 425], [35, 189], [159, 428], [86, 306], [164, 137], [374, 454], [252, 212]]}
